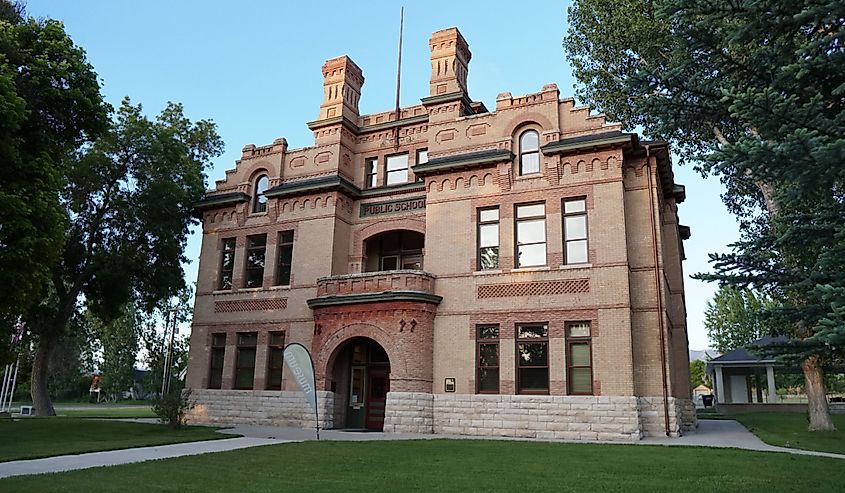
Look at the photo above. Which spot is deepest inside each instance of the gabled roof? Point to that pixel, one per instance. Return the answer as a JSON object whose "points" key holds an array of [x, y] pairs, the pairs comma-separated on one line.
{"points": [[746, 354]]}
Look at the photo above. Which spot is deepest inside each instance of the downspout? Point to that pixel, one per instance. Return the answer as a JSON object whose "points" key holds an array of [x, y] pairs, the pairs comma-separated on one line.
{"points": [[657, 283]]}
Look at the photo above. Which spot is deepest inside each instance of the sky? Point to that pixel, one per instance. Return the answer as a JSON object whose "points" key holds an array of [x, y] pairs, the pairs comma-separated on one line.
{"points": [[253, 67]]}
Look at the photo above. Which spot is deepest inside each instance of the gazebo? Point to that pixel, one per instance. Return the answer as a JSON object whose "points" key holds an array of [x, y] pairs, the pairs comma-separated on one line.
{"points": [[736, 373]]}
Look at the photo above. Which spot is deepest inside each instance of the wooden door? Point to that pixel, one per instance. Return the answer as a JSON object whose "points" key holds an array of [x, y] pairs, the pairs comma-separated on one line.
{"points": [[379, 386]]}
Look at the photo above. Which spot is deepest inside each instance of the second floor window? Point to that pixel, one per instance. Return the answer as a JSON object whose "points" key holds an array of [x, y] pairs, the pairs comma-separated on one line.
{"points": [[259, 201], [396, 169], [488, 238], [529, 152], [575, 231], [227, 264], [530, 235], [285, 260], [256, 247]]}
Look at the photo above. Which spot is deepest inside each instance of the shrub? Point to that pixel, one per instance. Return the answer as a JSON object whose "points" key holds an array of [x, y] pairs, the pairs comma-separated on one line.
{"points": [[172, 407]]}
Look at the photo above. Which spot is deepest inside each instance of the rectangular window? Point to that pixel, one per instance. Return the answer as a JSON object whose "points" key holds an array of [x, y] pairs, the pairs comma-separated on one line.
{"points": [[371, 172], [532, 359], [422, 158], [256, 247], [488, 238], [575, 231], [227, 264], [487, 362], [579, 360], [245, 360], [397, 169], [530, 235], [218, 352], [275, 360], [284, 262]]}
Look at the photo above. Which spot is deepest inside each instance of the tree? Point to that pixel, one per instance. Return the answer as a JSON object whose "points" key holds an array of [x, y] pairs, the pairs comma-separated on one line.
{"points": [[734, 318], [752, 92], [50, 105], [155, 342], [119, 340], [698, 373], [128, 200]]}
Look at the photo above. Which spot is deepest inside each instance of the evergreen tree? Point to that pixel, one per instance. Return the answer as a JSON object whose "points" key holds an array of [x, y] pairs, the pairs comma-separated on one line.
{"points": [[752, 91]]}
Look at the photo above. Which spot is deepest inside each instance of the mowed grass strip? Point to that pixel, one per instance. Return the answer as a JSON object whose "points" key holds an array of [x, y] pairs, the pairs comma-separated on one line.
{"points": [[457, 465], [790, 430], [31, 438], [109, 412]]}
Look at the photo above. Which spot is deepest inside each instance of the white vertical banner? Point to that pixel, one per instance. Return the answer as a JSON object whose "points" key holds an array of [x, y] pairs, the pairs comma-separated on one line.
{"points": [[301, 365]]}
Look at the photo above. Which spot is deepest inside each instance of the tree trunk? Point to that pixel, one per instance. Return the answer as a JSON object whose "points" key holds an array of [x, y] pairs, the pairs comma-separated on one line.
{"points": [[40, 394], [816, 398]]}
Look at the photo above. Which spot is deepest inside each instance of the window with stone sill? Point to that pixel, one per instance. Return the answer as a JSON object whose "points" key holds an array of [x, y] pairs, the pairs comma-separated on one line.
{"points": [[218, 353], [256, 249], [245, 360], [579, 359], [396, 169], [575, 231], [275, 359], [532, 358], [530, 235], [487, 359], [227, 264]]}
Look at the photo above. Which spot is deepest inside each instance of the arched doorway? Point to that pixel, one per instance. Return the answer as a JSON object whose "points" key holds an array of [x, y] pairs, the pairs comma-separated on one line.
{"points": [[399, 249], [360, 378]]}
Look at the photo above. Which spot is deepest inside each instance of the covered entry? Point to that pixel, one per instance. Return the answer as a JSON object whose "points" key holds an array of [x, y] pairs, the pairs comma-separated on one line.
{"points": [[361, 381]]}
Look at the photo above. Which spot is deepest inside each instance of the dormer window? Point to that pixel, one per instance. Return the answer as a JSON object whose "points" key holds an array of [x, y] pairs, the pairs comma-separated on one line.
{"points": [[259, 201], [529, 152]]}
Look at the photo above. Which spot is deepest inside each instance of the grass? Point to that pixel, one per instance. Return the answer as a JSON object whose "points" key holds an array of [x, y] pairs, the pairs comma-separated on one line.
{"points": [[457, 465], [30, 438], [109, 412], [790, 430]]}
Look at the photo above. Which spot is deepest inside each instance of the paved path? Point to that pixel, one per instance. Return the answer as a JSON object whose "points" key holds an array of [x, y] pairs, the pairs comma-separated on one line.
{"points": [[711, 433], [126, 456]]}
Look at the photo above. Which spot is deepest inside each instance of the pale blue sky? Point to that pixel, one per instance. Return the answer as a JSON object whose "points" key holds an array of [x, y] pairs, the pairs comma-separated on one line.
{"points": [[254, 68]]}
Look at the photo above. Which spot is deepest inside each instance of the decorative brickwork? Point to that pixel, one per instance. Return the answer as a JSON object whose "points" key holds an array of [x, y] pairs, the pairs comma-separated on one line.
{"points": [[538, 288], [250, 305]]}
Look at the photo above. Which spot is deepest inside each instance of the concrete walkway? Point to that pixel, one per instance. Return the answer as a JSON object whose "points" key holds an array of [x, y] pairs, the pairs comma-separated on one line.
{"points": [[710, 433]]}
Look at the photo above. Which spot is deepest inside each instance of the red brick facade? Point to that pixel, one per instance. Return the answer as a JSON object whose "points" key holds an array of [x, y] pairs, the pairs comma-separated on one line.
{"points": [[373, 233]]}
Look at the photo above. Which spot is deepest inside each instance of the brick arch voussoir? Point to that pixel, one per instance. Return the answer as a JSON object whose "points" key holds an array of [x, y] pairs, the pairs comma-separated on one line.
{"points": [[367, 232], [327, 355]]}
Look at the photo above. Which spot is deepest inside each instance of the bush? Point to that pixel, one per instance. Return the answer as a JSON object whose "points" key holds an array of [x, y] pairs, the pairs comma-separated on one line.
{"points": [[172, 407]]}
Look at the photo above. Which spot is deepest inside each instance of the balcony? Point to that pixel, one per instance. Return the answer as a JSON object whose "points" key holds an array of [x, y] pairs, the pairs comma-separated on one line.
{"points": [[369, 287]]}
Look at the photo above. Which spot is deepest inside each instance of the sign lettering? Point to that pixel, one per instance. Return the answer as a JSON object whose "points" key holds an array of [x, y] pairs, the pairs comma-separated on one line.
{"points": [[393, 206]]}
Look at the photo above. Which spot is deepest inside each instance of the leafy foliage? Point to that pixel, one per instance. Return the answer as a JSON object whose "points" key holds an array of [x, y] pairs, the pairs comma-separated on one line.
{"points": [[698, 374], [50, 105], [119, 341], [172, 407], [734, 318]]}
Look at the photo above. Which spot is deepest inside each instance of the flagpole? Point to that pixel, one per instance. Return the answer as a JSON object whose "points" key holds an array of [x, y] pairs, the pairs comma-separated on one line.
{"points": [[398, 76]]}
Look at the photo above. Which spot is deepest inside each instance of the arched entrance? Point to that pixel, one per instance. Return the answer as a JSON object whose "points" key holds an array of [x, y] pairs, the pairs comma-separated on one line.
{"points": [[360, 378]]}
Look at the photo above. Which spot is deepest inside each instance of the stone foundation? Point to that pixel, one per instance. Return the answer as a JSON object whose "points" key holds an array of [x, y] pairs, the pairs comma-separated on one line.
{"points": [[653, 422], [409, 412], [260, 407], [617, 418]]}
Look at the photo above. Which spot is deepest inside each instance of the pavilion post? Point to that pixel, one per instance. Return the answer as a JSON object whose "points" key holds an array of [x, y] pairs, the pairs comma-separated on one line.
{"points": [[770, 377]]}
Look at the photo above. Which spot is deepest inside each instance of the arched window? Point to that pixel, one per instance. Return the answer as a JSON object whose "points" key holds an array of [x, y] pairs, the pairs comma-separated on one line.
{"points": [[259, 201], [529, 152]]}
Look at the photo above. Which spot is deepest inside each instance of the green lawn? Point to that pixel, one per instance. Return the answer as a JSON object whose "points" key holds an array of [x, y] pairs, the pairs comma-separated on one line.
{"points": [[458, 465], [790, 430], [29, 438], [109, 412]]}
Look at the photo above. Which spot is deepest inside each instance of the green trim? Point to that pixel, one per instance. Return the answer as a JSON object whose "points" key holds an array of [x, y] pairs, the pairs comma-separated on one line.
{"points": [[314, 125], [214, 201], [473, 159], [392, 124], [446, 98], [587, 142], [391, 189], [334, 182], [347, 299]]}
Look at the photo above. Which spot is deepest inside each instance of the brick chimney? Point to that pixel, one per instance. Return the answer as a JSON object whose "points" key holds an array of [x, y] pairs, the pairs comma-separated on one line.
{"points": [[342, 81], [450, 58]]}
